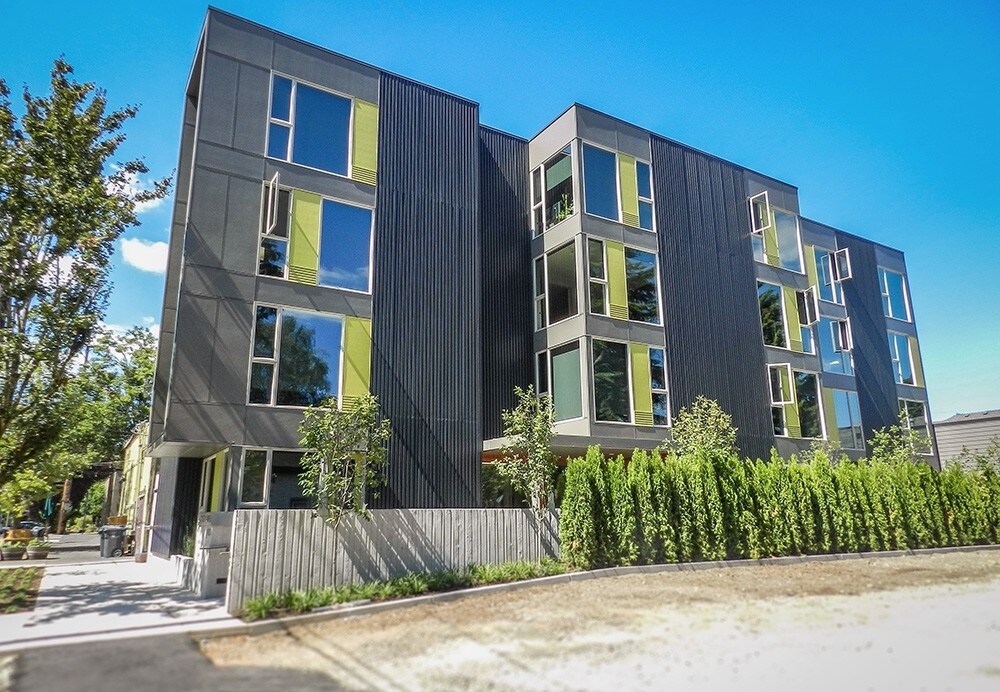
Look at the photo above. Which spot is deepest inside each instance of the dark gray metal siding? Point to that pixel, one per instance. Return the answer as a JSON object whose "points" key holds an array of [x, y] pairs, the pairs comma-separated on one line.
{"points": [[426, 330], [872, 363], [710, 311], [506, 248]]}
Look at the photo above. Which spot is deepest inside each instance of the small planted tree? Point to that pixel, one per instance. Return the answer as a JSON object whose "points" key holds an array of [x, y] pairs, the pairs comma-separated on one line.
{"points": [[527, 461], [346, 459], [704, 427]]}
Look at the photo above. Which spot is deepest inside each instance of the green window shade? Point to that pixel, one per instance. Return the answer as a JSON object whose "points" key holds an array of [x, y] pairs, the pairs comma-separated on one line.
{"points": [[303, 251], [357, 360], [771, 243], [364, 153], [918, 368], [811, 271], [218, 491], [617, 285], [558, 172], [629, 190], [830, 416], [642, 389], [792, 318]]}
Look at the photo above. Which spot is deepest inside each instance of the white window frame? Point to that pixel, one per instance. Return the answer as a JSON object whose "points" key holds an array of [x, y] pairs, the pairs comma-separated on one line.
{"points": [[884, 288], [820, 406], [618, 182], [628, 377], [541, 303], [798, 241], [548, 303], [276, 360], [574, 154], [582, 349], [897, 362], [927, 424], [659, 287], [787, 367], [853, 423], [240, 504], [754, 230], [784, 317], [648, 200], [604, 281], [319, 243], [840, 265], [654, 390], [825, 271], [269, 210], [290, 124], [843, 336], [807, 302]]}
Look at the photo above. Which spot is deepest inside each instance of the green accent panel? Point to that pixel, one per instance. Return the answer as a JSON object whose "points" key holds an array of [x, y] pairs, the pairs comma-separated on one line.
{"points": [[771, 243], [364, 157], [357, 359], [792, 418], [830, 415], [629, 190], [786, 385], [617, 287], [561, 170], [642, 387], [303, 250], [218, 481], [811, 270], [918, 367], [792, 319]]}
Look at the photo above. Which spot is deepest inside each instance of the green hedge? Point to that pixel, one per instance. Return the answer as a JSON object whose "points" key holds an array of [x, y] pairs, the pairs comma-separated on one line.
{"points": [[670, 508]]}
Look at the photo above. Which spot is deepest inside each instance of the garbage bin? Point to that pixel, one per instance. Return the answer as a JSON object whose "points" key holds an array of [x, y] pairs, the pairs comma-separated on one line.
{"points": [[112, 540]]}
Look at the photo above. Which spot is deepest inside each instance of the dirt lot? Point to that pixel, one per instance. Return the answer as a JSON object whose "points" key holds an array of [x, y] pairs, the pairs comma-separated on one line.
{"points": [[930, 622]]}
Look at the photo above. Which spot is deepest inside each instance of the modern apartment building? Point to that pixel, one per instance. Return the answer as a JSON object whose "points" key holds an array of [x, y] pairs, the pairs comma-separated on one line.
{"points": [[340, 229]]}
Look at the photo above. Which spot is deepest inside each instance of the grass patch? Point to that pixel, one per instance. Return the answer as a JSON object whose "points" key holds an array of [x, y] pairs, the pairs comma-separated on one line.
{"points": [[19, 588], [303, 601]]}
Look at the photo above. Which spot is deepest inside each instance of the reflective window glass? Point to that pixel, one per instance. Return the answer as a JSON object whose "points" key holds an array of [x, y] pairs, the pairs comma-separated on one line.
{"points": [[848, 415], [611, 387], [273, 257], [914, 415], [281, 98], [829, 290], [567, 395], [658, 383], [345, 246], [641, 281], [643, 177], [558, 187], [263, 341], [261, 376], [600, 179], [540, 293], [834, 360], [787, 229], [542, 372], [254, 474], [899, 351], [309, 358], [277, 141], [646, 216], [807, 397], [771, 316], [893, 295], [322, 129], [561, 285]]}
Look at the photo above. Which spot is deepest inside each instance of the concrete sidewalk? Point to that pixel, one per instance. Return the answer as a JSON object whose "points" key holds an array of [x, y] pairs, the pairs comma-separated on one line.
{"points": [[109, 600]]}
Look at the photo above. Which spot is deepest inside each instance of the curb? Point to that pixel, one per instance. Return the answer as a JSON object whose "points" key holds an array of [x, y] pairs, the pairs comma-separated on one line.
{"points": [[360, 608]]}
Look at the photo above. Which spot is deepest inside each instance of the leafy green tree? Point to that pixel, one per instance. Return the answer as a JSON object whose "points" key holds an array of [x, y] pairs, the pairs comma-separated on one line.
{"points": [[704, 427], [527, 460], [347, 458], [898, 443], [64, 202], [92, 503]]}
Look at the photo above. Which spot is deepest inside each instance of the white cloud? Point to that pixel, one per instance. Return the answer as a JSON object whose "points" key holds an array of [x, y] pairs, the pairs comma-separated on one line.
{"points": [[145, 255], [152, 326], [133, 185]]}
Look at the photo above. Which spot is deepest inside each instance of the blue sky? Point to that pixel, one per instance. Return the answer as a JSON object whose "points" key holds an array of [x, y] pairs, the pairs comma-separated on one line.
{"points": [[883, 114]]}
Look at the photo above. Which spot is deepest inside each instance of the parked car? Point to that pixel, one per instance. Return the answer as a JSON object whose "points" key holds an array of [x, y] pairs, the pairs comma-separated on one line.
{"points": [[38, 529]]}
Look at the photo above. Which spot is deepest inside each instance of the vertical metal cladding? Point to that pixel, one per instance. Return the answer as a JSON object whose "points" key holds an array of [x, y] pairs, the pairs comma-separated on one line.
{"points": [[426, 333], [506, 252], [710, 311], [872, 363]]}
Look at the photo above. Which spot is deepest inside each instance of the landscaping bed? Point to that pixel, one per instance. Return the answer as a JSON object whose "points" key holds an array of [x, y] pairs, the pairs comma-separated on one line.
{"points": [[19, 588]]}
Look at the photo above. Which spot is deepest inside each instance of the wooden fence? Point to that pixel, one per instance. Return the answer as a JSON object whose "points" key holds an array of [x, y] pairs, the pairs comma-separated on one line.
{"points": [[281, 550]]}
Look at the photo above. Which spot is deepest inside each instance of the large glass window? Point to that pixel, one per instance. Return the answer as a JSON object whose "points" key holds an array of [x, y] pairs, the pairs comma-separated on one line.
{"points": [[914, 416], [835, 346], [787, 229], [779, 380], [830, 289], [848, 415], [345, 246], [658, 382], [807, 398], [597, 269], [641, 280], [252, 480], [552, 191], [296, 357], [611, 384], [600, 178], [273, 257], [771, 314], [560, 284], [894, 303], [899, 351], [309, 126], [566, 384]]}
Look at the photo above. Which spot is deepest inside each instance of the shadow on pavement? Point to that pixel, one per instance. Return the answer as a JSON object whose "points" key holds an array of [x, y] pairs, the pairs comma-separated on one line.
{"points": [[120, 598], [150, 664]]}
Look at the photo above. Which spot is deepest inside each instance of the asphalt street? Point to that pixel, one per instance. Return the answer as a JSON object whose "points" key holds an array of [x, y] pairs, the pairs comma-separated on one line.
{"points": [[167, 663]]}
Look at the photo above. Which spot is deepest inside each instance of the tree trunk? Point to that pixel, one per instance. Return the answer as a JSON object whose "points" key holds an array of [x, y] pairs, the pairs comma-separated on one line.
{"points": [[61, 522]]}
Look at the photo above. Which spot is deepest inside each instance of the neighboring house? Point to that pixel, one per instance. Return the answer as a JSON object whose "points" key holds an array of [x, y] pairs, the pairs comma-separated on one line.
{"points": [[340, 229], [966, 431], [137, 483]]}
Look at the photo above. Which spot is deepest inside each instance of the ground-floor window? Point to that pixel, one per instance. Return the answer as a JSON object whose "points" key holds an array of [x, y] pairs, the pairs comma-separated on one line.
{"points": [[270, 478]]}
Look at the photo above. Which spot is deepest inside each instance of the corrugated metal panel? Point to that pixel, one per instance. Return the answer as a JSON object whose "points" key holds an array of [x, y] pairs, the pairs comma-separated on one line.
{"points": [[506, 263], [426, 333], [872, 364], [711, 316], [975, 435]]}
